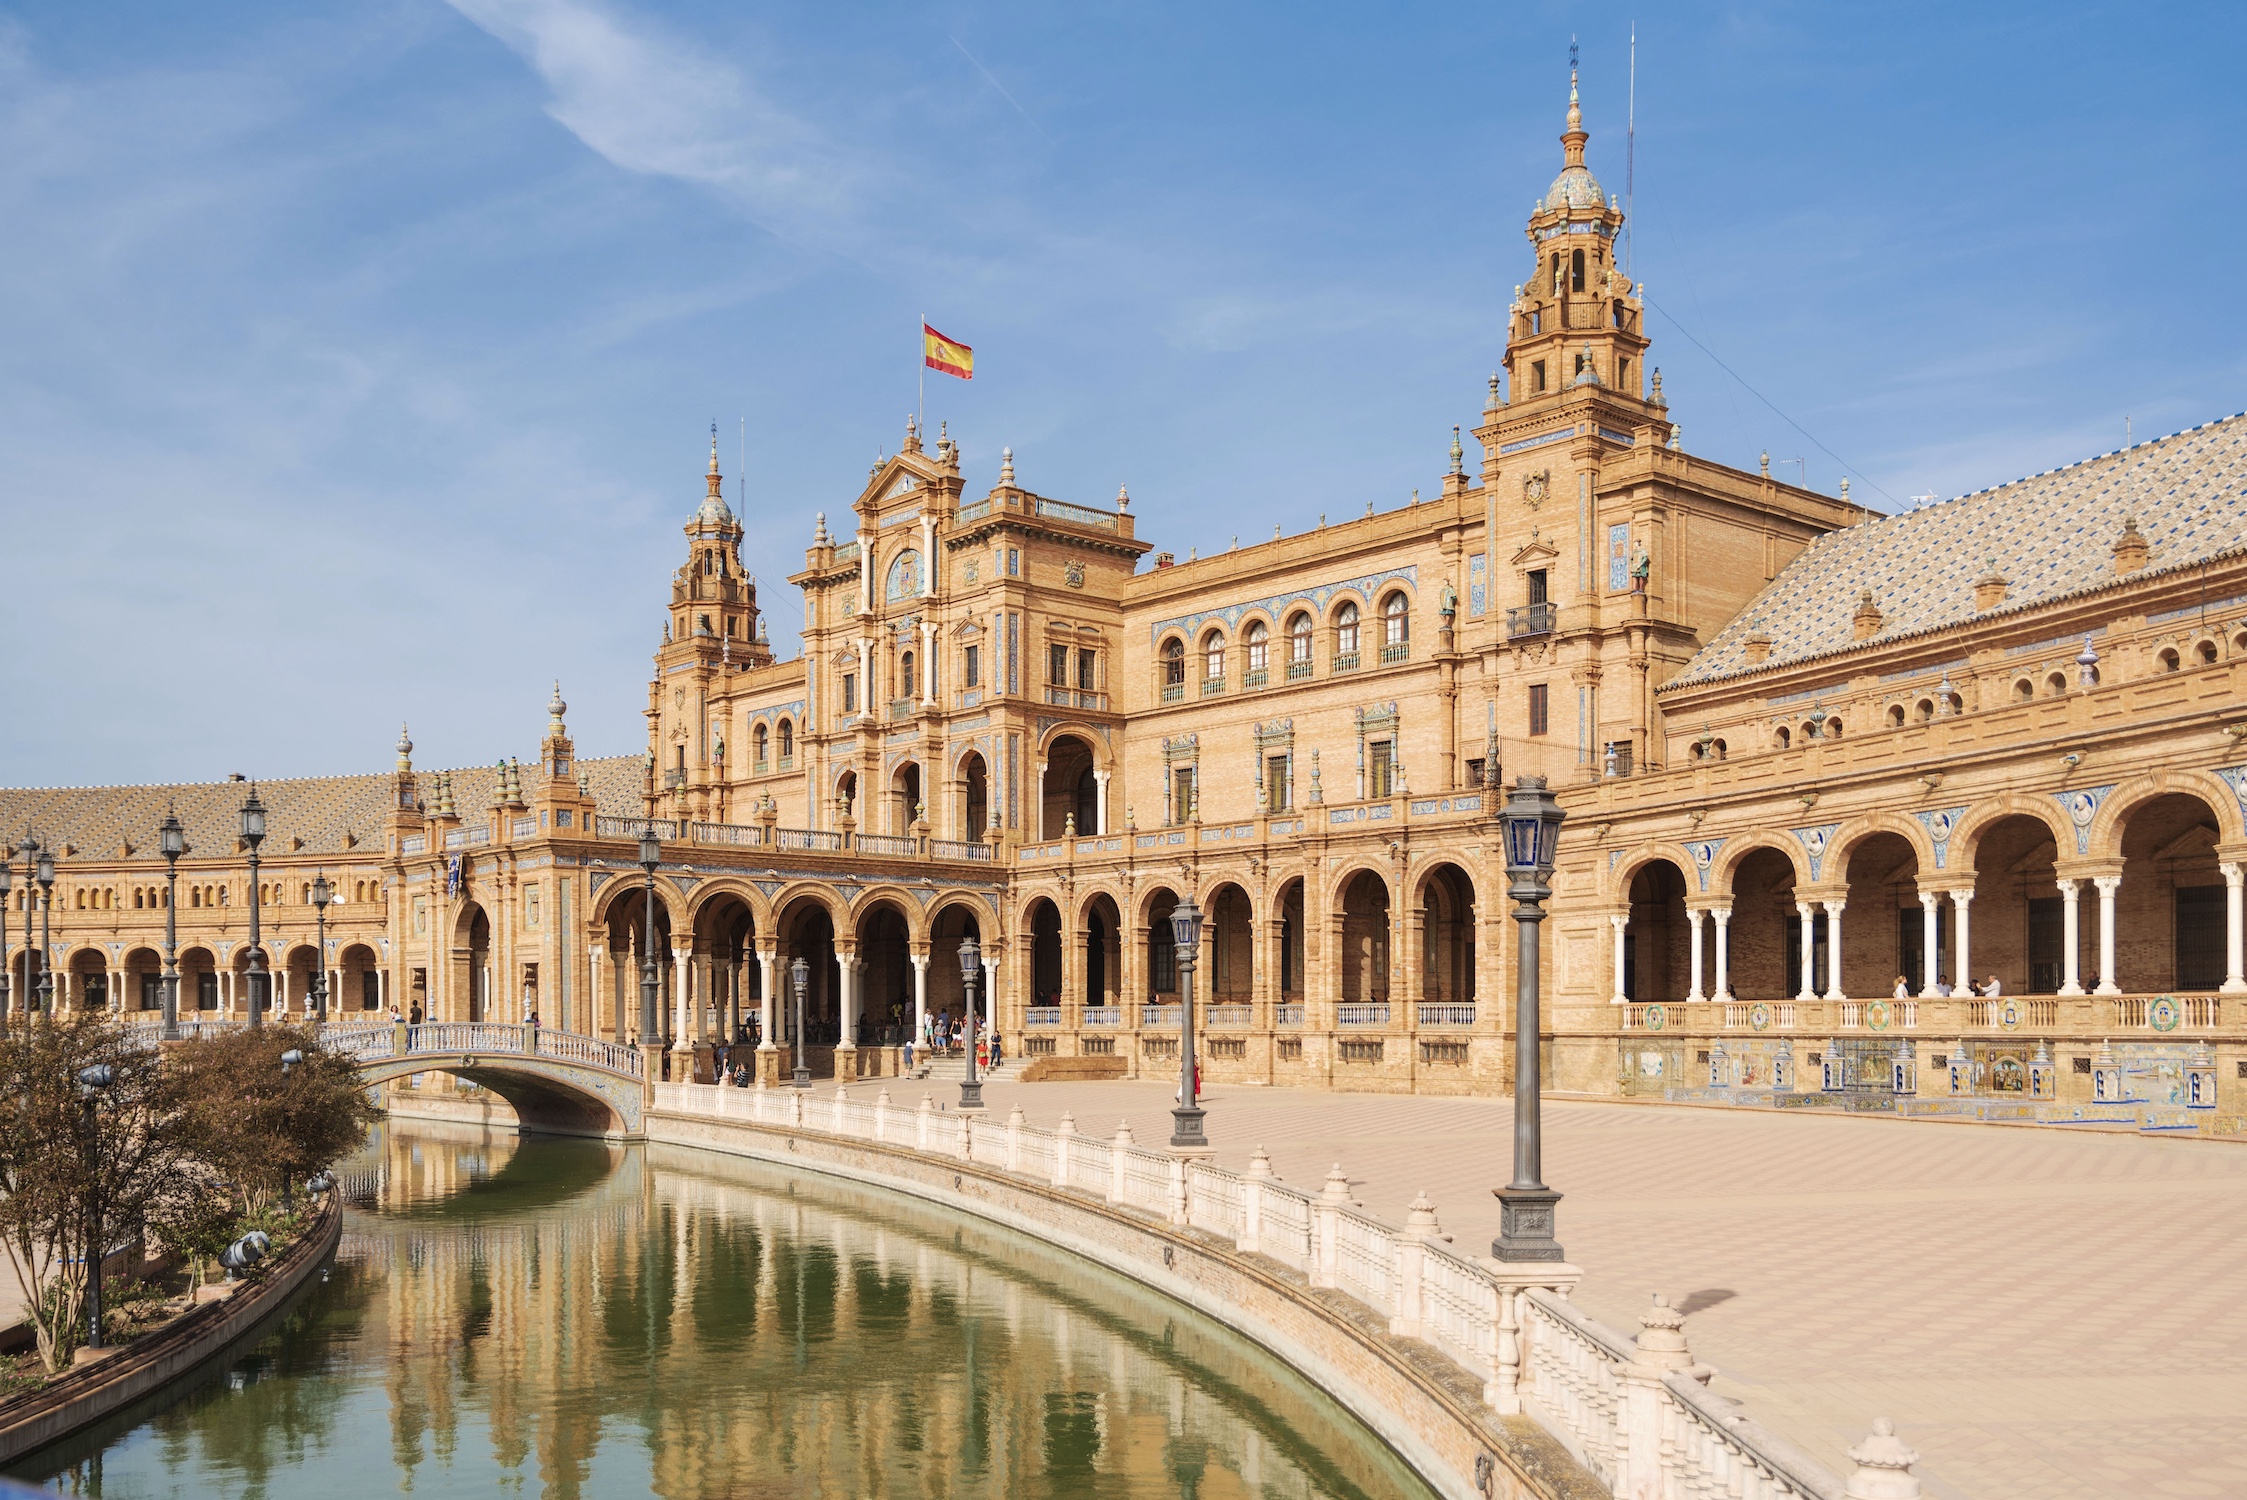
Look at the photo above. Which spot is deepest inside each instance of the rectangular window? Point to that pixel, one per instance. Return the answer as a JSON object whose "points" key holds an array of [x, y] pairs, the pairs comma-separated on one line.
{"points": [[1162, 959], [1540, 589], [1088, 670], [1182, 794], [1540, 719], [1275, 783], [1057, 665], [1474, 771], [850, 692], [1537, 375], [1384, 769], [975, 666]]}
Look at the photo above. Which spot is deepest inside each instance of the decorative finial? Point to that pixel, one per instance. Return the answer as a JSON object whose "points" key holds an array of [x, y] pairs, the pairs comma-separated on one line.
{"points": [[1845, 495], [1458, 454], [1123, 498], [1654, 397], [819, 537], [405, 748], [1492, 403], [713, 447], [555, 708], [1766, 463], [1006, 466]]}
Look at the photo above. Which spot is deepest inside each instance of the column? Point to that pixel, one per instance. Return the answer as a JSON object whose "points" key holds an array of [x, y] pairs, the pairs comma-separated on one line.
{"points": [[593, 989], [1930, 944], [1620, 921], [1694, 914], [1962, 971], [1805, 964], [2235, 982], [2071, 937], [682, 966], [382, 978], [1723, 915], [928, 647], [1834, 990], [990, 1005], [2107, 885], [846, 1008], [920, 996], [1100, 803], [766, 964]]}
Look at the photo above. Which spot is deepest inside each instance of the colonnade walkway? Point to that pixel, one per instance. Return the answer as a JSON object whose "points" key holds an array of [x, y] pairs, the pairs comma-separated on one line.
{"points": [[2042, 1313]]}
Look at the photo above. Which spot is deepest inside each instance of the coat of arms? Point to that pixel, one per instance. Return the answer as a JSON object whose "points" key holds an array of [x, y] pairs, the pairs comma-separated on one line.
{"points": [[1534, 487], [1074, 574]]}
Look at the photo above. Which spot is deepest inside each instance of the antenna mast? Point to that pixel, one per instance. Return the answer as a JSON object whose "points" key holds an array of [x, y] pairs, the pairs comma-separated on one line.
{"points": [[1630, 169]]}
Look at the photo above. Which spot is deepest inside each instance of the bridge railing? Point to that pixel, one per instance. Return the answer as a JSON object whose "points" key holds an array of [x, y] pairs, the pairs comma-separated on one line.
{"points": [[1633, 1412], [375, 1041]]}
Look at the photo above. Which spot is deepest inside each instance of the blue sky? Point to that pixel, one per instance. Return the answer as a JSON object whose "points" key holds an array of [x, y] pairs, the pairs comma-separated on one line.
{"points": [[357, 362]]}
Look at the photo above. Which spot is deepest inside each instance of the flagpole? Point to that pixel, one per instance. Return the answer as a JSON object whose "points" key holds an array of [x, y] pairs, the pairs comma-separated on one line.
{"points": [[920, 408]]}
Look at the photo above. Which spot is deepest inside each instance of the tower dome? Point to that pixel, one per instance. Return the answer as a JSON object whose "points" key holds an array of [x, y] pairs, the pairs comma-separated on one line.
{"points": [[714, 511]]}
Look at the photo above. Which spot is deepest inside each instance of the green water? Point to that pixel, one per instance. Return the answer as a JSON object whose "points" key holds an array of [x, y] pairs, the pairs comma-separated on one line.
{"points": [[575, 1319]]}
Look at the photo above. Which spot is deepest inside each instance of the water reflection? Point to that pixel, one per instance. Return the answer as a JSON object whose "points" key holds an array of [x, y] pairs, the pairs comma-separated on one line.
{"points": [[577, 1319]]}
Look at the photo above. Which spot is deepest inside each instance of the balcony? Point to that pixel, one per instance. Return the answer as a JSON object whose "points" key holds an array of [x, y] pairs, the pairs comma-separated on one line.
{"points": [[1298, 671], [1173, 691], [1103, 1015], [1530, 619], [1287, 1016], [1446, 1013], [1212, 686], [1256, 677], [1374, 1013], [1067, 697], [1395, 652], [1344, 661], [1041, 1015], [902, 708], [1227, 1013], [675, 777], [1164, 1016]]}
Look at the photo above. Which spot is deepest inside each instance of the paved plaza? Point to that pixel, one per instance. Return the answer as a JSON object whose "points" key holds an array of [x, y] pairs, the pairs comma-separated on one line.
{"points": [[2042, 1313]]}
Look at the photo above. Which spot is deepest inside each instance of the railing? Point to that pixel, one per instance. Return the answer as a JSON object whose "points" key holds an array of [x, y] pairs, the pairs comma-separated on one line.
{"points": [[1396, 652], [1344, 661], [810, 840], [847, 552], [1068, 697], [463, 838], [1530, 619], [740, 834], [1256, 677], [1212, 686], [632, 828], [1041, 1015], [1173, 691], [523, 828], [414, 843], [1903, 1015], [1362, 1014], [958, 849], [1287, 1015], [1077, 515], [974, 510], [1226, 1013], [1740, 1015], [1298, 671], [1103, 1015], [1163, 1017], [888, 843], [676, 776], [902, 708], [1635, 1416], [1446, 1013]]}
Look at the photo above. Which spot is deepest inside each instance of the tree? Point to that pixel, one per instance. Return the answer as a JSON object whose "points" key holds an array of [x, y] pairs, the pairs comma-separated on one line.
{"points": [[264, 1127]]}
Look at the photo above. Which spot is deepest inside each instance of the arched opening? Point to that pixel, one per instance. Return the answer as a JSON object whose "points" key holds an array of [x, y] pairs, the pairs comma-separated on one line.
{"points": [[1298, 645], [1447, 939], [1069, 789], [1657, 940], [1257, 639], [89, 980], [1103, 953], [1880, 934], [472, 993], [947, 994], [908, 680], [846, 794], [761, 757], [1173, 670], [1364, 930], [1575, 270], [302, 966], [627, 940], [904, 797], [1044, 927], [975, 797], [787, 738], [728, 982], [2015, 923], [2024, 691], [198, 982], [1213, 662], [1396, 626], [1346, 636], [1292, 944], [2205, 652], [360, 984], [2169, 909], [807, 932], [2056, 685], [885, 977], [2170, 660], [144, 980], [1162, 954], [1764, 942], [1231, 929]]}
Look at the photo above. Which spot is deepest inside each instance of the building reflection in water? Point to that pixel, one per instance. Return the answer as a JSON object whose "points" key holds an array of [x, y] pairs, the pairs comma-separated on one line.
{"points": [[573, 1318]]}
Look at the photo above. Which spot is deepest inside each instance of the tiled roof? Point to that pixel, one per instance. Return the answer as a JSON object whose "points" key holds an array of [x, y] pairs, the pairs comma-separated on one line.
{"points": [[2052, 536], [320, 810]]}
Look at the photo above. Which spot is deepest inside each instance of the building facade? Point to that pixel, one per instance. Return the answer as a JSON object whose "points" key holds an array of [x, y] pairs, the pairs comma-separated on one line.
{"points": [[1820, 767]]}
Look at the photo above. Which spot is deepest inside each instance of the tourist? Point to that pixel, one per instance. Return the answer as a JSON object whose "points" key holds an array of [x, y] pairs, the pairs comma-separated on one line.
{"points": [[1903, 990], [1174, 1093], [998, 1053], [1943, 985], [531, 1020], [415, 1018], [1993, 987]]}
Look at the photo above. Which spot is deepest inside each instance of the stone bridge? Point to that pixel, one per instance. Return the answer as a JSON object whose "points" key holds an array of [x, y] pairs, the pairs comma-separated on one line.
{"points": [[559, 1082]]}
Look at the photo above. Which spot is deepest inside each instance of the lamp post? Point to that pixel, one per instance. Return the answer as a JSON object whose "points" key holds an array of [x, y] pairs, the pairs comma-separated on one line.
{"points": [[172, 839], [253, 834], [46, 878], [1526, 1205], [971, 969], [799, 975], [92, 1082], [1186, 939], [322, 894], [651, 855]]}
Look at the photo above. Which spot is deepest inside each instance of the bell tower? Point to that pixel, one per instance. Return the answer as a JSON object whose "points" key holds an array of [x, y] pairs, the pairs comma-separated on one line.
{"points": [[1576, 323], [713, 600]]}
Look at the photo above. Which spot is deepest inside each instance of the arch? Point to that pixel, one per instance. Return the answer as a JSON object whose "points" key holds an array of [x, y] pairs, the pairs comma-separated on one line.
{"points": [[360, 988], [1256, 649], [2129, 796], [1230, 932], [761, 741], [883, 938], [973, 774], [709, 894], [1347, 623], [1965, 840], [1068, 785], [1763, 882], [1737, 849], [1657, 942], [1287, 910], [1212, 651], [1102, 755], [2170, 660], [1099, 926], [2024, 690], [1640, 856], [2169, 908], [1300, 635], [669, 899], [1445, 902], [1041, 933], [1396, 618], [1172, 655], [1363, 917], [545, 1102], [1856, 830], [785, 732], [1159, 967], [2205, 652], [1881, 869], [907, 796]]}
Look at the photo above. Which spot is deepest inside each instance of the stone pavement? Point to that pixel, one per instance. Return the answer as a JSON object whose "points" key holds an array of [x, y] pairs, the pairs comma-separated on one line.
{"points": [[2042, 1313]]}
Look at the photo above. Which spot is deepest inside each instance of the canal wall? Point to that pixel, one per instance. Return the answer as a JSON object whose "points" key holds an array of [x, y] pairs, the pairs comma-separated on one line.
{"points": [[90, 1392], [1430, 1411]]}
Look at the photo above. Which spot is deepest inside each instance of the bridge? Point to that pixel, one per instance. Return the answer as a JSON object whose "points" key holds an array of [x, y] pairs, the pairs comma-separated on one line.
{"points": [[559, 1082]]}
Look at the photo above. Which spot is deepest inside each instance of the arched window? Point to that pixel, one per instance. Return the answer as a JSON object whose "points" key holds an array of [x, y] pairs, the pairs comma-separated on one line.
{"points": [[2056, 685], [763, 741], [1786, 737], [1259, 650], [1718, 747], [2206, 651], [1926, 710], [1396, 623], [1299, 646], [1174, 667], [1833, 728], [908, 684], [1575, 270], [1213, 656], [1346, 631], [787, 739], [225, 896], [2170, 660], [2024, 691]]}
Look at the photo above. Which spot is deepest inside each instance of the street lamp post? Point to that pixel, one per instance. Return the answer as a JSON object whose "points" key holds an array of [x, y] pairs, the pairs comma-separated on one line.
{"points": [[971, 969], [92, 1082], [651, 855], [1186, 939], [322, 894], [172, 839], [1526, 1205], [46, 877], [253, 834], [799, 975]]}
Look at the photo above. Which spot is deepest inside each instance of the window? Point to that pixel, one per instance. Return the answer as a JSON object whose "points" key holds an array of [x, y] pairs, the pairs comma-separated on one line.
{"points": [[1539, 717], [1474, 767], [1536, 375], [1182, 806], [908, 680], [2023, 691], [1275, 783], [1575, 270], [1786, 737], [1259, 639], [1213, 655], [1539, 588], [850, 692], [1299, 646], [1382, 781], [787, 739], [1622, 370], [2206, 651], [1162, 959], [1014, 562], [1057, 665], [1346, 630], [974, 665], [1174, 668], [764, 743], [1088, 669], [2170, 660], [1396, 622], [1556, 270]]}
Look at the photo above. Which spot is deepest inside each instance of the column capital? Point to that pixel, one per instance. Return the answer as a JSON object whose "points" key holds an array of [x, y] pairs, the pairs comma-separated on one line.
{"points": [[2107, 884], [1834, 908], [1961, 895]]}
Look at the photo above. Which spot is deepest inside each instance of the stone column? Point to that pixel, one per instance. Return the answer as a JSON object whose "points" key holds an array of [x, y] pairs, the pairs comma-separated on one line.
{"points": [[920, 996], [1694, 915], [846, 1009], [1807, 976], [928, 650], [2071, 937], [1621, 922], [1100, 803], [1962, 972], [1834, 989], [2235, 982], [2107, 885], [990, 1005], [766, 966], [682, 965], [1723, 915], [1930, 944]]}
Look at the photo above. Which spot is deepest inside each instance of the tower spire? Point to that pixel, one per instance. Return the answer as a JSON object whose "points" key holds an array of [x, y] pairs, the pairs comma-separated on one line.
{"points": [[1572, 140]]}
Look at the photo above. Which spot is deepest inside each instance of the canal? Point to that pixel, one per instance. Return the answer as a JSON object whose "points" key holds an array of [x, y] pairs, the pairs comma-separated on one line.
{"points": [[572, 1318]]}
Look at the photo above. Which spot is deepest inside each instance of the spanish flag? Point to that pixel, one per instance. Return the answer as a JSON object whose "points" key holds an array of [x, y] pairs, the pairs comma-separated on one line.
{"points": [[940, 353]]}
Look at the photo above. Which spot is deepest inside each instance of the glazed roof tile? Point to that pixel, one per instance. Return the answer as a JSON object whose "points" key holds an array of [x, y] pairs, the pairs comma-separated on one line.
{"points": [[2050, 535], [320, 810]]}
